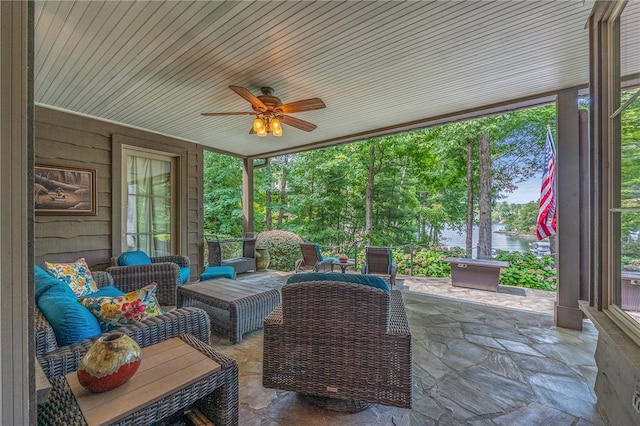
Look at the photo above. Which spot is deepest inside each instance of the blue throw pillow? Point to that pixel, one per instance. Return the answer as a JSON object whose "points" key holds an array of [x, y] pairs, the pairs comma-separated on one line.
{"points": [[71, 322], [43, 281], [137, 257], [106, 291], [369, 280]]}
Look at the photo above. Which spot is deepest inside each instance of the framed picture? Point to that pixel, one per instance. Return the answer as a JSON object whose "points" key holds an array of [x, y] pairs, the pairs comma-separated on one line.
{"points": [[64, 190]]}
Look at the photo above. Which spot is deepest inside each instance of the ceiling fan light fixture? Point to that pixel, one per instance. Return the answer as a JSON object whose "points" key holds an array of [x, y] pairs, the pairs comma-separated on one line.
{"points": [[276, 127], [258, 126], [262, 132]]}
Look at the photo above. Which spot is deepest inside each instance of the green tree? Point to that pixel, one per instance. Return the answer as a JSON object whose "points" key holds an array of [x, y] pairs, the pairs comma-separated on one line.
{"points": [[222, 194]]}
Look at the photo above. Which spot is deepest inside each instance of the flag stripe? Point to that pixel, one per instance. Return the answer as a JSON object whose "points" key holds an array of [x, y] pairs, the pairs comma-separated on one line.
{"points": [[546, 223]]}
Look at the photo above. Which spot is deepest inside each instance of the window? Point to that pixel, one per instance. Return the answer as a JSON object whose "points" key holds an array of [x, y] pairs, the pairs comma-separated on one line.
{"points": [[616, 136], [149, 202]]}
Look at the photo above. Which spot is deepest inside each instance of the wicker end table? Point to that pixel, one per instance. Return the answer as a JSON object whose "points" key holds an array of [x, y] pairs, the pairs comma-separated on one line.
{"points": [[234, 307], [210, 383]]}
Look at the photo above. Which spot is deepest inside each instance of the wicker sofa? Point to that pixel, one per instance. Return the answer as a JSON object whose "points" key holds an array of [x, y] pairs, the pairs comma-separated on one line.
{"points": [[344, 342], [57, 361]]}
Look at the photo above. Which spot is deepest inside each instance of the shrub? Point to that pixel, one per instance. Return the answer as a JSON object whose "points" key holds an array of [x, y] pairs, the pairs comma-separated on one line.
{"points": [[528, 271], [426, 262], [283, 246]]}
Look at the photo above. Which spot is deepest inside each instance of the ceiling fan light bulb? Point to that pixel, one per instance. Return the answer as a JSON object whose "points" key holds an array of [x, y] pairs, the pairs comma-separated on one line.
{"points": [[276, 126], [262, 132], [277, 132], [258, 125]]}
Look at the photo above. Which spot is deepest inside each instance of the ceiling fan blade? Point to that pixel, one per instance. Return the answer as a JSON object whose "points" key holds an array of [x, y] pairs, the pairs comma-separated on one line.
{"points": [[255, 102], [300, 106], [209, 114], [252, 132], [297, 123]]}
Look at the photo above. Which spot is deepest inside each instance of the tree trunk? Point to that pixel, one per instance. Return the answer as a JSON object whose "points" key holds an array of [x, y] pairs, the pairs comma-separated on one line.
{"points": [[469, 224], [268, 220], [283, 190], [368, 195], [484, 201]]}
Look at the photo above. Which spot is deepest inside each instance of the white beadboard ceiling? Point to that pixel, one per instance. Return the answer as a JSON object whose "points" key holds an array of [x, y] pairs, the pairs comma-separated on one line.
{"points": [[157, 65]]}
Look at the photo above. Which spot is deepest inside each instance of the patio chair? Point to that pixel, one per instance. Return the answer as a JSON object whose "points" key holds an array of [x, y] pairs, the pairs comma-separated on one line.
{"points": [[242, 264], [378, 261], [133, 268], [312, 259], [341, 339]]}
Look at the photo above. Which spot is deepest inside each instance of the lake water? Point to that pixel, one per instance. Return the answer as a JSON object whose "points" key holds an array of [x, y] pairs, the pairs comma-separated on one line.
{"points": [[499, 241]]}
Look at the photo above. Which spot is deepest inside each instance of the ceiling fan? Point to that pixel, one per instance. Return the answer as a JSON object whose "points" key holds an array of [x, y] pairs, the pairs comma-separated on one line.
{"points": [[270, 112]]}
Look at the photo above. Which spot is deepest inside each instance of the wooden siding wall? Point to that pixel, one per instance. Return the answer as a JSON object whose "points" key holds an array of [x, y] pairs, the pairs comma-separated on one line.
{"points": [[63, 139]]}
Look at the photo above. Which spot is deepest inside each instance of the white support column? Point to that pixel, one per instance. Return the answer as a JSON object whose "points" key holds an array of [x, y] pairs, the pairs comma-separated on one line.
{"points": [[17, 390], [567, 313]]}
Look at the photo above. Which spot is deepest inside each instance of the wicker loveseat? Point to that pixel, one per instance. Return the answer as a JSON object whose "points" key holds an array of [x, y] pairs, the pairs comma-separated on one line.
{"points": [[57, 361], [342, 341]]}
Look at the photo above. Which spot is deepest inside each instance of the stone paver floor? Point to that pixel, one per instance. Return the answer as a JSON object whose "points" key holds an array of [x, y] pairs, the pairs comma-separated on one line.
{"points": [[480, 358]]}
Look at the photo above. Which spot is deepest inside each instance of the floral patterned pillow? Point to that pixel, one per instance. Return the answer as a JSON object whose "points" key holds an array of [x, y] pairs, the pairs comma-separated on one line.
{"points": [[114, 312], [77, 275]]}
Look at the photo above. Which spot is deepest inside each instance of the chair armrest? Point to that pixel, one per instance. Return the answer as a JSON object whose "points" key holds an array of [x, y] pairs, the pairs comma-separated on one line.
{"points": [[182, 261], [299, 264], [102, 278], [45, 337], [398, 322], [166, 275], [154, 330], [275, 317]]}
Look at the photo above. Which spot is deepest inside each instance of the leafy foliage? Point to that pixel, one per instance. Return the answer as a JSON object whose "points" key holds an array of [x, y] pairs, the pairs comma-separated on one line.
{"points": [[283, 246], [426, 262], [528, 271]]}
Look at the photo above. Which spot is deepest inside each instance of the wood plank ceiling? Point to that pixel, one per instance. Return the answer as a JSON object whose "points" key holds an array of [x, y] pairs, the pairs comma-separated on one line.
{"points": [[377, 65]]}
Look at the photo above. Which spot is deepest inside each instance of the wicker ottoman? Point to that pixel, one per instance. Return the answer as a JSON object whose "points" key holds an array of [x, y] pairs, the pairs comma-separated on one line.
{"points": [[234, 307]]}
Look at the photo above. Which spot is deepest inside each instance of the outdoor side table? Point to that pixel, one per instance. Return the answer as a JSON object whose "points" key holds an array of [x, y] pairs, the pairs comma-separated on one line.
{"points": [[344, 265], [174, 375], [234, 307], [479, 274]]}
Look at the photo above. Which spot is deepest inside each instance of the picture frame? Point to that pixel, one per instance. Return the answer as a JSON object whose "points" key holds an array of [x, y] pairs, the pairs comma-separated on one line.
{"points": [[61, 190]]}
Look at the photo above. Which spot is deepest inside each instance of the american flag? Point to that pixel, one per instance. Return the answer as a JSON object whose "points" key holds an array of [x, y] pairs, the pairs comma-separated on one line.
{"points": [[546, 224]]}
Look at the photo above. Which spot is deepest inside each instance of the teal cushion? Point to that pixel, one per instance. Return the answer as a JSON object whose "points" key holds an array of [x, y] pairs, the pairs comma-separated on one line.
{"points": [[43, 281], [71, 322], [369, 280], [318, 251], [213, 272], [185, 273], [137, 257], [107, 291]]}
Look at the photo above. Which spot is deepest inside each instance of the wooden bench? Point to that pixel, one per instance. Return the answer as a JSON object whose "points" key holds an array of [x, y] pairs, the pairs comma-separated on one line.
{"points": [[480, 274]]}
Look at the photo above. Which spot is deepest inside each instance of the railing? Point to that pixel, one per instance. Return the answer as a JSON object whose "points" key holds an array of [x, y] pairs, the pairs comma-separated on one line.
{"points": [[356, 251]]}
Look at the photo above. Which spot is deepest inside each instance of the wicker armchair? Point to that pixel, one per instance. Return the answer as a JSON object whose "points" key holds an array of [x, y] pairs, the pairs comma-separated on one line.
{"points": [[339, 341], [312, 259], [378, 262], [163, 270], [57, 361]]}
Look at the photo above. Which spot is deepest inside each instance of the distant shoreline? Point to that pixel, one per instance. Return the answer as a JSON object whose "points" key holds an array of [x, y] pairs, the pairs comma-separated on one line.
{"points": [[516, 235]]}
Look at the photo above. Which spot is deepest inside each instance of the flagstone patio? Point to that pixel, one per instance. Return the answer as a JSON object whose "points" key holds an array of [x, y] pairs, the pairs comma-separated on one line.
{"points": [[480, 358]]}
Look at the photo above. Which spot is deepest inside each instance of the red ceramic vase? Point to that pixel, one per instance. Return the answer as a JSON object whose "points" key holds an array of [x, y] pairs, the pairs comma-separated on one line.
{"points": [[109, 363]]}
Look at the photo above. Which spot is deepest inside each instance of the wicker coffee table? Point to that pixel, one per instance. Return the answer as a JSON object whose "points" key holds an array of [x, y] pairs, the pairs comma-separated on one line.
{"points": [[234, 307], [168, 383]]}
